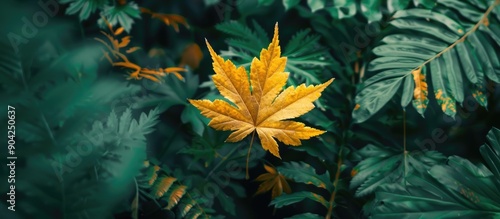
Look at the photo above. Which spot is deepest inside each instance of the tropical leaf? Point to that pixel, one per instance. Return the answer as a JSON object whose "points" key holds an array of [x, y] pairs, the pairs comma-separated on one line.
{"points": [[385, 165], [305, 173], [437, 40], [121, 15], [288, 199], [262, 109], [84, 8], [373, 9], [459, 189], [336, 9], [491, 151]]}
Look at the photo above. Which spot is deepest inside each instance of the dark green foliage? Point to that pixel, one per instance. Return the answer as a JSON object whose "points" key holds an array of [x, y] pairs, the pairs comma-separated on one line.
{"points": [[91, 144], [458, 189], [385, 165]]}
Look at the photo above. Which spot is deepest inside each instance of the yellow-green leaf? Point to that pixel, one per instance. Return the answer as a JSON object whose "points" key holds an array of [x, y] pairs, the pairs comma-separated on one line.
{"points": [[420, 100]]}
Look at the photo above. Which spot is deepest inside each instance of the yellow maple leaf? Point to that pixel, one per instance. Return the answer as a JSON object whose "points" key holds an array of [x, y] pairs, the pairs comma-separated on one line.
{"points": [[272, 181], [260, 104]]}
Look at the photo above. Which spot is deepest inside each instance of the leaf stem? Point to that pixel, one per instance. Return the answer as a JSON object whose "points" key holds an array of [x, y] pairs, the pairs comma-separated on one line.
{"points": [[335, 182], [248, 155], [405, 153], [135, 202], [228, 155]]}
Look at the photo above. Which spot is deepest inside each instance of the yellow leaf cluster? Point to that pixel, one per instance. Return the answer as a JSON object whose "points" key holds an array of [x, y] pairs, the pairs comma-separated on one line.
{"points": [[259, 104], [272, 181], [118, 59]]}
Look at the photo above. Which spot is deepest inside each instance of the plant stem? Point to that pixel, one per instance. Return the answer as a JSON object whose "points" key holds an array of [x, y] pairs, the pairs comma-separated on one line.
{"points": [[405, 153], [335, 182], [248, 155], [221, 162], [135, 202]]}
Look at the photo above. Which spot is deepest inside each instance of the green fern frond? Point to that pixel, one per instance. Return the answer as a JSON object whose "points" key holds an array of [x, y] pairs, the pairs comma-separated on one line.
{"points": [[434, 41], [84, 8], [84, 179], [245, 38], [372, 10], [384, 165], [458, 189]]}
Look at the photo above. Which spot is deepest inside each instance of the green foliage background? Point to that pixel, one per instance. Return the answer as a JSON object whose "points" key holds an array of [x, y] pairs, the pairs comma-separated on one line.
{"points": [[91, 144]]}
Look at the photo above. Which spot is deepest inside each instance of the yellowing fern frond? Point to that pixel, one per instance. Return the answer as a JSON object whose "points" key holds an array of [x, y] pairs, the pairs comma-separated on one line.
{"points": [[118, 59], [163, 186], [187, 207], [176, 196]]}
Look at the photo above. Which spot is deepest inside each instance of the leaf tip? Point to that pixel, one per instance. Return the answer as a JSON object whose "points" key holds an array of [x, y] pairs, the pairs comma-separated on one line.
{"points": [[329, 81]]}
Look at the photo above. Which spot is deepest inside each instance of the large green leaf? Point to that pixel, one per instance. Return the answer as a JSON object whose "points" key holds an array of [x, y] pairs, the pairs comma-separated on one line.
{"points": [[457, 51], [491, 151], [384, 165], [288, 199], [459, 189]]}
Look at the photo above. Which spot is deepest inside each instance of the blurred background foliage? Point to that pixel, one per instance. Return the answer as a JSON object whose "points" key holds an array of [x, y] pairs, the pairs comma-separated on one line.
{"points": [[92, 144]]}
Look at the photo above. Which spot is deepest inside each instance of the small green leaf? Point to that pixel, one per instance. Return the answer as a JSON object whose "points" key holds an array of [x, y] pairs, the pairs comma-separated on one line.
{"points": [[316, 5], [121, 14], [373, 97], [265, 2], [407, 95], [305, 173], [371, 9], [305, 216], [288, 199], [290, 3]]}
